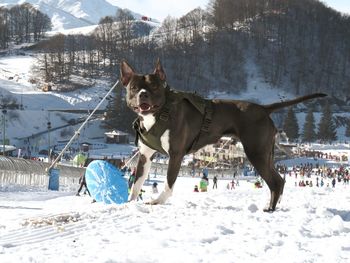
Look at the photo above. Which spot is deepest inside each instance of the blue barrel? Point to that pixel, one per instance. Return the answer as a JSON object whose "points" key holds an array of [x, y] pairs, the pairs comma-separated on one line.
{"points": [[54, 179]]}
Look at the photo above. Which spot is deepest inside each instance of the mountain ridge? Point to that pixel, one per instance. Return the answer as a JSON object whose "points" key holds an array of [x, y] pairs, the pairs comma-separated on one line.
{"points": [[69, 14]]}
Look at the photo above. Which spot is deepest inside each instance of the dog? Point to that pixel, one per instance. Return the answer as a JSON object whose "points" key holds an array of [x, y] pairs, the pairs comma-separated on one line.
{"points": [[177, 125]]}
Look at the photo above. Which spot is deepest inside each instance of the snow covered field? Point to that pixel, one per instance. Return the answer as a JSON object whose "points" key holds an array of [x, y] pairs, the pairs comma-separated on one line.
{"points": [[311, 224]]}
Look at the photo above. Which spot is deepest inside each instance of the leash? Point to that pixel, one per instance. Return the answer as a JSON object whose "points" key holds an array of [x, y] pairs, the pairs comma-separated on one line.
{"points": [[76, 133]]}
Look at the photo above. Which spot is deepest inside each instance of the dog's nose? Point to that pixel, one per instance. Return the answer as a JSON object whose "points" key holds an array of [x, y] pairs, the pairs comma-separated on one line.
{"points": [[143, 94]]}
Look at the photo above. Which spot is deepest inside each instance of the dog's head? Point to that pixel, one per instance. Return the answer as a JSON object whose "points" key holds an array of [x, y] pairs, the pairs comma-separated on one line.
{"points": [[145, 93]]}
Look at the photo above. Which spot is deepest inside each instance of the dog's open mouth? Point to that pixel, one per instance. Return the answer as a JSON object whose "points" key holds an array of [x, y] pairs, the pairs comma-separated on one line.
{"points": [[145, 108]]}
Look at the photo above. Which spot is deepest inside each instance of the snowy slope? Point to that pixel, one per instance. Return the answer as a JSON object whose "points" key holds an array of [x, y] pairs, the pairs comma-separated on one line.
{"points": [[67, 14], [311, 224], [15, 73]]}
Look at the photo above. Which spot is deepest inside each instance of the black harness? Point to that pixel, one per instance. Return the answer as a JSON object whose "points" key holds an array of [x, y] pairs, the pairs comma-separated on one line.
{"points": [[151, 138]]}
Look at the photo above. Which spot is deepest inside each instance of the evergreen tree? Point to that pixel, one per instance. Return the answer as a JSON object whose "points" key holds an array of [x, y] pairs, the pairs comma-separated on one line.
{"points": [[118, 115], [326, 130], [309, 130], [347, 130], [290, 125]]}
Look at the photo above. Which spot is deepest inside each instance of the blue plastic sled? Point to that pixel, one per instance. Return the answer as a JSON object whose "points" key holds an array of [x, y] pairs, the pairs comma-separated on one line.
{"points": [[106, 183]]}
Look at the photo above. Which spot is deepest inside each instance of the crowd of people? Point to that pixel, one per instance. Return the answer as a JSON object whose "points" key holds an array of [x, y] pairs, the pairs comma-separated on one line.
{"points": [[305, 175], [317, 175]]}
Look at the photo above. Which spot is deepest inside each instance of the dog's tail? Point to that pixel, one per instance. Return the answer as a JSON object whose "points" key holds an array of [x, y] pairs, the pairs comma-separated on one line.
{"points": [[278, 105]]}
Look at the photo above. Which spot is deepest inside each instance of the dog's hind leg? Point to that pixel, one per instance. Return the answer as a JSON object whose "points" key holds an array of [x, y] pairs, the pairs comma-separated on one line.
{"points": [[276, 185], [272, 178], [142, 170], [261, 157]]}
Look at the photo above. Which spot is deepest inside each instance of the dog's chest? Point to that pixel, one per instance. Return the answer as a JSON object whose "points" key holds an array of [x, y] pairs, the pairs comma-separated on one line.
{"points": [[147, 122]]}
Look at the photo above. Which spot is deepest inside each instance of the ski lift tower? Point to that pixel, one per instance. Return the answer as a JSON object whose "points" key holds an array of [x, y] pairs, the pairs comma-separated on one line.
{"points": [[4, 111]]}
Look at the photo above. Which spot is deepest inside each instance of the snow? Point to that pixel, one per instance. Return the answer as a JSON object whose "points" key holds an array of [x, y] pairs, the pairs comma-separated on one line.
{"points": [[310, 225]]}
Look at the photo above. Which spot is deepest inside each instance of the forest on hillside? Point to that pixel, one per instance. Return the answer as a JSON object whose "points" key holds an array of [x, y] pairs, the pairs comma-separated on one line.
{"points": [[300, 46], [22, 24]]}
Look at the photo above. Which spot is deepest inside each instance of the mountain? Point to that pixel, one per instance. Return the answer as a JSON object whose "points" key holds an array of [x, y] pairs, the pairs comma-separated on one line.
{"points": [[68, 14]]}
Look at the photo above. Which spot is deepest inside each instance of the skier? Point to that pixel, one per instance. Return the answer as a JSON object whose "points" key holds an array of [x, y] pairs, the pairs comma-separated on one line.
{"points": [[215, 182], [154, 188], [82, 183], [333, 182]]}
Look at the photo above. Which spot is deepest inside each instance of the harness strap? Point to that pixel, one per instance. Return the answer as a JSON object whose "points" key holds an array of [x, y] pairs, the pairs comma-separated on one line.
{"points": [[207, 117], [164, 115], [206, 122]]}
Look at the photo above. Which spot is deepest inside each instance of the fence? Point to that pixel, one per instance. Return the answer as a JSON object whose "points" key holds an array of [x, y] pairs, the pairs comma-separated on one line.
{"points": [[161, 169], [34, 173], [17, 171]]}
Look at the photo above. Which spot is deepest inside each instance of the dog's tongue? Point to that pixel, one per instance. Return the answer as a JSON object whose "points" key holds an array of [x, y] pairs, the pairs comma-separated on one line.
{"points": [[145, 107]]}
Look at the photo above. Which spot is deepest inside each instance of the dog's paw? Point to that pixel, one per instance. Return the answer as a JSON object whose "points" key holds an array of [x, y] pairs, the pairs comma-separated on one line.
{"points": [[152, 202], [156, 202], [269, 210]]}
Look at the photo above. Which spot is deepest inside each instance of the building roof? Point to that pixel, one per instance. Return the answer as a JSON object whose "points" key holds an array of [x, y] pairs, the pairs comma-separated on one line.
{"points": [[114, 133]]}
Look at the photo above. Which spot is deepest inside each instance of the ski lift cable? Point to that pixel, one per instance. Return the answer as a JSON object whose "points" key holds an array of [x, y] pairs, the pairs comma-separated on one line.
{"points": [[76, 133], [130, 160]]}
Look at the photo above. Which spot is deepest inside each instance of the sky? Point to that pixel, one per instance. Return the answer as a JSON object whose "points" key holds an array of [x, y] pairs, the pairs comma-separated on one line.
{"points": [[159, 9], [339, 5]]}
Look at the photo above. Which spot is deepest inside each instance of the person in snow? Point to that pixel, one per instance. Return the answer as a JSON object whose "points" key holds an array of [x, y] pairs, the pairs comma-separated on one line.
{"points": [[131, 179], [195, 189], [215, 182], [205, 172], [232, 184], [203, 184], [82, 182], [154, 188], [140, 195], [333, 182]]}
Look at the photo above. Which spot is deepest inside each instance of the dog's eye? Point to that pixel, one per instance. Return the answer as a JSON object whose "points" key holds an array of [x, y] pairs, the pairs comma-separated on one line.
{"points": [[134, 88]]}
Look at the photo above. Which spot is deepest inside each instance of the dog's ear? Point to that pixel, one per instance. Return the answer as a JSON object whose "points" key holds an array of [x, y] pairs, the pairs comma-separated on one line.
{"points": [[126, 72], [159, 70]]}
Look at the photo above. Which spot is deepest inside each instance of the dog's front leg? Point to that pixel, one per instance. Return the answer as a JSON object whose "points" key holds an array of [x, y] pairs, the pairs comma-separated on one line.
{"points": [[142, 170], [173, 171]]}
